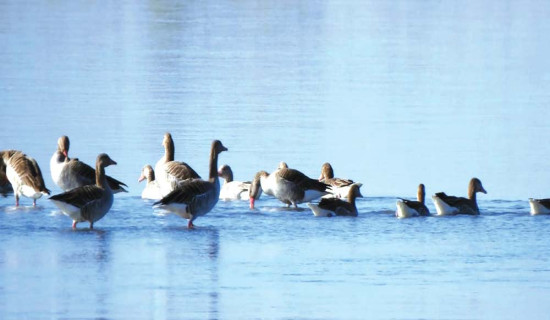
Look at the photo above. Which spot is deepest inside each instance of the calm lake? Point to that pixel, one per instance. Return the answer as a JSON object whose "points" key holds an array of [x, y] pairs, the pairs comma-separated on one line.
{"points": [[392, 93]]}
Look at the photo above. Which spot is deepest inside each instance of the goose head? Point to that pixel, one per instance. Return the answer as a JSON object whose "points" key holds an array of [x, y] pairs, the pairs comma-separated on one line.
{"points": [[147, 173], [103, 160], [63, 144], [225, 172], [476, 186], [326, 172], [255, 190]]}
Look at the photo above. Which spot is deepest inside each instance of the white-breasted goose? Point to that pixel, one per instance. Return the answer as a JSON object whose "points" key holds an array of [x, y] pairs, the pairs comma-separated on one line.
{"points": [[291, 186], [195, 197], [24, 175], [152, 189], [539, 206], [410, 208], [90, 202], [446, 205], [72, 173], [170, 173], [340, 187], [231, 189], [329, 207]]}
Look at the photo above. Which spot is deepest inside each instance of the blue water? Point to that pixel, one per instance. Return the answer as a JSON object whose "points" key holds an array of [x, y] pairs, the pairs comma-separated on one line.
{"points": [[392, 93]]}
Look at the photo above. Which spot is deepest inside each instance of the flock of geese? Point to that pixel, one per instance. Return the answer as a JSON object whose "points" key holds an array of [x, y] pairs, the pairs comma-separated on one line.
{"points": [[176, 187]]}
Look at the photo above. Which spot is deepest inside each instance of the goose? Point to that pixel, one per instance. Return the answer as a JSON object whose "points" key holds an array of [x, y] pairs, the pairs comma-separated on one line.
{"points": [[24, 175], [90, 202], [255, 190], [195, 197], [170, 173], [232, 190], [409, 208], [329, 207], [290, 186], [5, 185], [446, 205], [340, 187], [152, 189], [539, 206], [72, 173]]}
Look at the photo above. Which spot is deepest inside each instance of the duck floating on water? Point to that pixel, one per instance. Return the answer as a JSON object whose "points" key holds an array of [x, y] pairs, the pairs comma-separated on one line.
{"points": [[448, 205]]}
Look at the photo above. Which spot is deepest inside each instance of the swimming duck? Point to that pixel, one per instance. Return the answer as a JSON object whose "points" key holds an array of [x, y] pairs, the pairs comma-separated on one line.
{"points": [[195, 197], [446, 205], [340, 187], [409, 208], [329, 207], [24, 175], [170, 173], [152, 189], [539, 206], [290, 186], [72, 173], [232, 190], [90, 202]]}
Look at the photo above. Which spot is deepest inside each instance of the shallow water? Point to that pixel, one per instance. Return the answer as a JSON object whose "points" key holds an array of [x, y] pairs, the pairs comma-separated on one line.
{"points": [[274, 262], [391, 93]]}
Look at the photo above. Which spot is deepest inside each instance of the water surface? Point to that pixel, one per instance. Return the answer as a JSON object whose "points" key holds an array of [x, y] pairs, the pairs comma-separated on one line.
{"points": [[391, 93]]}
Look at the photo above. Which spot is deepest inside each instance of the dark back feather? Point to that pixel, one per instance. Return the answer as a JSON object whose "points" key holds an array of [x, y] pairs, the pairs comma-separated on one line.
{"points": [[86, 175], [301, 180], [80, 196], [181, 170], [339, 206], [29, 171], [186, 192], [418, 206]]}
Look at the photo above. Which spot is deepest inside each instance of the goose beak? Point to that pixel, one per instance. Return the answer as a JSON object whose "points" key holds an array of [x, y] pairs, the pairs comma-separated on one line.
{"points": [[141, 178]]}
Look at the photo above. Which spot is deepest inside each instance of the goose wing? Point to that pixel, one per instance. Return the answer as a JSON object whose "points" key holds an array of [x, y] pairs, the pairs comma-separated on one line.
{"points": [[417, 205], [85, 175], [28, 171], [301, 180], [464, 205], [187, 192], [181, 170], [80, 196]]}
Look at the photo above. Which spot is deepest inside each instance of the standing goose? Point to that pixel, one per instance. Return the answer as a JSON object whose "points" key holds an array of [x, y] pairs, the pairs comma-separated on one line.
{"points": [[72, 173], [539, 206], [24, 175], [329, 207], [152, 189], [410, 208], [90, 202], [170, 173], [196, 197], [340, 187], [446, 205], [232, 190], [291, 186]]}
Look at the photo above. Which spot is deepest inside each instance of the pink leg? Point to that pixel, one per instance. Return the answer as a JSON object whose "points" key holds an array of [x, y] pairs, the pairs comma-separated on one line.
{"points": [[190, 225], [74, 224], [34, 202], [17, 201]]}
